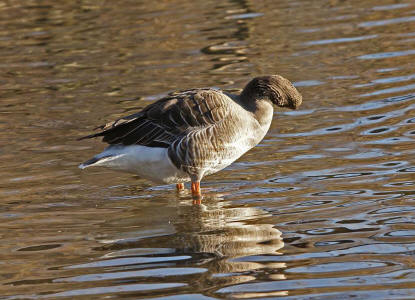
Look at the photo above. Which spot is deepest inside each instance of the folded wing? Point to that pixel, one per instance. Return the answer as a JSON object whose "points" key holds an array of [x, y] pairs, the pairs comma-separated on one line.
{"points": [[170, 118]]}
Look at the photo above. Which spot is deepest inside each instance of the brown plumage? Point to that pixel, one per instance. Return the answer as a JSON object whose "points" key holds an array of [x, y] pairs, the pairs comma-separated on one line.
{"points": [[161, 123], [202, 130]]}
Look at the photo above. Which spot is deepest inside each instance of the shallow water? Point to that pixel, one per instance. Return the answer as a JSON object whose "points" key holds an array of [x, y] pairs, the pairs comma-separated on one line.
{"points": [[323, 208]]}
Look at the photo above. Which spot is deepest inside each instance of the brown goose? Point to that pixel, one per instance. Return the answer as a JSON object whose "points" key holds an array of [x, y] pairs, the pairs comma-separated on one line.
{"points": [[187, 135]]}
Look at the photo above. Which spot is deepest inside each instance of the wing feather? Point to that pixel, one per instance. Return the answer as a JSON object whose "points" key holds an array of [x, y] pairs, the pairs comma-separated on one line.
{"points": [[166, 120]]}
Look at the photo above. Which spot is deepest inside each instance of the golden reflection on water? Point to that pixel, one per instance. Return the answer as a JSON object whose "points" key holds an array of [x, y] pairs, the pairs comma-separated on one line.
{"points": [[336, 177], [226, 233], [221, 232]]}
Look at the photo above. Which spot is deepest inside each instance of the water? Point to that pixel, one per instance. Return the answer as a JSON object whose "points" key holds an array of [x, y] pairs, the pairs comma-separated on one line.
{"points": [[323, 208]]}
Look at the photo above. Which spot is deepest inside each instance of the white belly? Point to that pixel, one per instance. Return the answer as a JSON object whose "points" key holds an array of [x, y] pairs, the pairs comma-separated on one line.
{"points": [[148, 162]]}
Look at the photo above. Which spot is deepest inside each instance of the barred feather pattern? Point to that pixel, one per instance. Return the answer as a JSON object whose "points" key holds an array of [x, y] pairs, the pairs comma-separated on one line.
{"points": [[204, 130], [193, 133], [211, 148], [161, 123]]}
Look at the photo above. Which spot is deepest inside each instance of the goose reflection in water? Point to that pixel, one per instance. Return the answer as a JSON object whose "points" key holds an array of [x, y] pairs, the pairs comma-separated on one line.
{"points": [[231, 235], [199, 246], [224, 231], [221, 239]]}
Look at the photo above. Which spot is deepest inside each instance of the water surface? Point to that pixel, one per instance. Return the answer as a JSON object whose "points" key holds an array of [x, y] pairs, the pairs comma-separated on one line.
{"points": [[323, 208]]}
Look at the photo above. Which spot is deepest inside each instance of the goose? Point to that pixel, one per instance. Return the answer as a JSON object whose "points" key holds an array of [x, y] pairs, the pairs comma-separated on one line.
{"points": [[192, 133]]}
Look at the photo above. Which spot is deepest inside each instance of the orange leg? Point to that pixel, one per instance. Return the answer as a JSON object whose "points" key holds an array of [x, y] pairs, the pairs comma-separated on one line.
{"points": [[196, 193], [180, 187], [196, 188]]}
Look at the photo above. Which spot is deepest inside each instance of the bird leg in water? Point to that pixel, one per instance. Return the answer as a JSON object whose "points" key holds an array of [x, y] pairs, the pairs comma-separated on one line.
{"points": [[180, 187], [196, 193]]}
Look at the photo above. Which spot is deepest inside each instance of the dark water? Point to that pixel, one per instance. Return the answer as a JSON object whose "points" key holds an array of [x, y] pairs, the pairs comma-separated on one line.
{"points": [[323, 208]]}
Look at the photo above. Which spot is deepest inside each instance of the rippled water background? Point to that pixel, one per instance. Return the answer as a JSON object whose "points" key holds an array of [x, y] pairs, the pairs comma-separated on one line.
{"points": [[323, 208]]}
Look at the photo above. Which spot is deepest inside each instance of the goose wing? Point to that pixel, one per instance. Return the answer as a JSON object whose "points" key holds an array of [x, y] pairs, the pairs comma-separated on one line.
{"points": [[166, 120]]}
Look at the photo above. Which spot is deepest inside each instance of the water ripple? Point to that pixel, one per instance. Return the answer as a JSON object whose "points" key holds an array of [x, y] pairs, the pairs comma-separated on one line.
{"points": [[391, 6], [390, 90], [382, 55], [387, 80], [341, 40], [323, 208], [117, 289], [127, 261], [162, 272], [387, 22]]}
